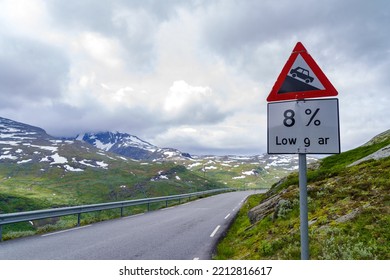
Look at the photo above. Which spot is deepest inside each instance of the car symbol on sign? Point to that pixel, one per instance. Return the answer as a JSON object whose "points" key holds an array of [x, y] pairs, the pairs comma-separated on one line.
{"points": [[302, 73]]}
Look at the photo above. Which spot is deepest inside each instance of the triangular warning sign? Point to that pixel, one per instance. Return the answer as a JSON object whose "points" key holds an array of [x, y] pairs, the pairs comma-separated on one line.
{"points": [[301, 78]]}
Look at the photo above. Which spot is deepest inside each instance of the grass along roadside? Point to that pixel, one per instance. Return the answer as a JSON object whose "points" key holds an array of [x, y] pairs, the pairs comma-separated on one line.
{"points": [[349, 214]]}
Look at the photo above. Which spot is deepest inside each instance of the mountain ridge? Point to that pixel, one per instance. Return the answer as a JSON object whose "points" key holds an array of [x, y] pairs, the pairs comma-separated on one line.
{"points": [[22, 144], [38, 171], [130, 146]]}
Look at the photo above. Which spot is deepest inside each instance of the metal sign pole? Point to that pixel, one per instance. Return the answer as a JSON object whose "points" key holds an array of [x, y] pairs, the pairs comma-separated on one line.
{"points": [[304, 220]]}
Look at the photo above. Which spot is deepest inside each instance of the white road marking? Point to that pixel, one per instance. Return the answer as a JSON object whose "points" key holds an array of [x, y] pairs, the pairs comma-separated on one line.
{"points": [[227, 216], [196, 259], [215, 231], [62, 231]]}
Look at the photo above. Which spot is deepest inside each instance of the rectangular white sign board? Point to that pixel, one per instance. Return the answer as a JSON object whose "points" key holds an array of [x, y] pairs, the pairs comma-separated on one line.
{"points": [[309, 126]]}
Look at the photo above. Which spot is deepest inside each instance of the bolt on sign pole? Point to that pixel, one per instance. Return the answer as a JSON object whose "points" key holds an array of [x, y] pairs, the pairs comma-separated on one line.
{"points": [[299, 124]]}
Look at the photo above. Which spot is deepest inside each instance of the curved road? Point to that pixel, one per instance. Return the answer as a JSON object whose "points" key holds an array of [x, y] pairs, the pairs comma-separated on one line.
{"points": [[184, 232]]}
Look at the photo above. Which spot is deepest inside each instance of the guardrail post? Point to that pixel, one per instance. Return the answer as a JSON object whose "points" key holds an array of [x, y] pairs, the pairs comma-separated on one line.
{"points": [[121, 211], [1, 233], [166, 203], [148, 206], [78, 219]]}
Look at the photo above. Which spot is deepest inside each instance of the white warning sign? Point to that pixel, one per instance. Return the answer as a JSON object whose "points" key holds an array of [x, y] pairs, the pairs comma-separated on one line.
{"points": [[304, 127]]}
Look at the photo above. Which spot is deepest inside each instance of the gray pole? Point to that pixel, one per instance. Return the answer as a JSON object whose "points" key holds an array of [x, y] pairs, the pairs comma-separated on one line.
{"points": [[303, 207]]}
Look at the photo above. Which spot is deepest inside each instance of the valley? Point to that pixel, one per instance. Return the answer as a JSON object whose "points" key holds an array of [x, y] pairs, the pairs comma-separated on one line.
{"points": [[38, 171]]}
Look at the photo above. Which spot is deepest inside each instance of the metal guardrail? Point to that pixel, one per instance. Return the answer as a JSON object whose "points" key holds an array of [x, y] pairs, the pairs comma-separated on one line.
{"points": [[11, 218]]}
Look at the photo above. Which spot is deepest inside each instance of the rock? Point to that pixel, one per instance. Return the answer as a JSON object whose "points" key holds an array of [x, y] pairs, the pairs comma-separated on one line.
{"points": [[348, 216], [382, 153], [267, 207]]}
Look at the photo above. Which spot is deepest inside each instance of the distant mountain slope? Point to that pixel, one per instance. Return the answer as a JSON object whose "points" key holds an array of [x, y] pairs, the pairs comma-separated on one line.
{"points": [[120, 143], [43, 171], [21, 143], [234, 171], [38, 171], [349, 212], [130, 146], [259, 171]]}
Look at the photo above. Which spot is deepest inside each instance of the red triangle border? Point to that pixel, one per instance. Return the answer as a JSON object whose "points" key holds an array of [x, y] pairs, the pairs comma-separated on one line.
{"points": [[329, 89]]}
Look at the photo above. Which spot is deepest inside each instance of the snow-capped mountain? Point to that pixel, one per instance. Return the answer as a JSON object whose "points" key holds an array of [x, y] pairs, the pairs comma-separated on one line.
{"points": [[22, 143], [130, 146], [119, 143]]}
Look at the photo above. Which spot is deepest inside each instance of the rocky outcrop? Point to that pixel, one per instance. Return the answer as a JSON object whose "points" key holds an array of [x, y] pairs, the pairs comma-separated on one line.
{"points": [[275, 205], [382, 153]]}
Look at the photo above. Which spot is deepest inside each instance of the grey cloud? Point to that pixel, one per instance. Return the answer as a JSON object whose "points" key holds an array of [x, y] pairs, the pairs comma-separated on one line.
{"points": [[87, 14], [197, 114], [30, 71], [134, 23], [127, 24], [240, 31], [98, 15], [249, 41], [64, 120]]}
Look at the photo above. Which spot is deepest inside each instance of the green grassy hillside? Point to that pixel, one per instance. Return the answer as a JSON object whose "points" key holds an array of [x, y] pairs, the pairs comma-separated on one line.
{"points": [[349, 212], [34, 186]]}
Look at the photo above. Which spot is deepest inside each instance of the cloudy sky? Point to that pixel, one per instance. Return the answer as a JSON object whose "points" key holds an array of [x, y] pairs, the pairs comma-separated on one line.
{"points": [[192, 75]]}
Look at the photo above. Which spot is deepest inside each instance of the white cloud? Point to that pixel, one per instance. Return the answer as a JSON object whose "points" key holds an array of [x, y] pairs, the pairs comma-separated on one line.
{"points": [[107, 52], [25, 17], [188, 74], [182, 95], [191, 104]]}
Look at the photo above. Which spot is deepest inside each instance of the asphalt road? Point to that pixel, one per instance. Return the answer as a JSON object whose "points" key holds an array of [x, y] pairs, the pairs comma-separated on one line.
{"points": [[184, 232]]}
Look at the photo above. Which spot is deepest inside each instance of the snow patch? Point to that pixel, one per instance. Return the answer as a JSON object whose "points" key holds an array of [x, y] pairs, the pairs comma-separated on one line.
{"points": [[194, 165], [24, 161], [102, 164], [170, 154], [58, 159], [72, 169], [8, 157], [11, 143], [210, 167], [252, 172], [44, 159], [47, 148], [100, 145]]}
